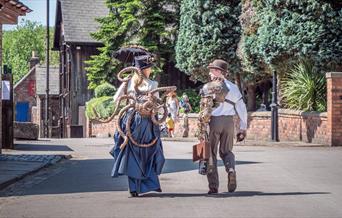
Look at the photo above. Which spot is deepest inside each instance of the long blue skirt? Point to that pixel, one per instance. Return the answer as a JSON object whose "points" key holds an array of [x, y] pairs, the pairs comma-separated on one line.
{"points": [[141, 165]]}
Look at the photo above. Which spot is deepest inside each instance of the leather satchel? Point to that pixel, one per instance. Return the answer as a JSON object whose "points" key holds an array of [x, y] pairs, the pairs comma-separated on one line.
{"points": [[200, 151]]}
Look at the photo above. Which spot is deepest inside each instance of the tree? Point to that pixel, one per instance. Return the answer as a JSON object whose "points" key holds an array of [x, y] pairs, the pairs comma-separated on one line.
{"points": [[209, 29], [285, 31], [19, 43], [151, 24]]}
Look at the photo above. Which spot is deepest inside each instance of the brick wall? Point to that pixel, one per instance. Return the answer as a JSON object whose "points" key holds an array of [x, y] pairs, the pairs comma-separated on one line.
{"points": [[322, 128], [24, 91], [334, 95], [293, 126]]}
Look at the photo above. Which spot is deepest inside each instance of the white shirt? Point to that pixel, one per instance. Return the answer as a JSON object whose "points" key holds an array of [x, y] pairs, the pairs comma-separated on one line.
{"points": [[227, 109]]}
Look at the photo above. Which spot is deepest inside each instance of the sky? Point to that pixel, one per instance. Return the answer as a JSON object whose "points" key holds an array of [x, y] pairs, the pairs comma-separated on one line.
{"points": [[38, 13]]}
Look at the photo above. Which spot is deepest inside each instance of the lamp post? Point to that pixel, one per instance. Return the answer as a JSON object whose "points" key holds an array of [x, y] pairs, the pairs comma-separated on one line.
{"points": [[274, 109], [46, 135]]}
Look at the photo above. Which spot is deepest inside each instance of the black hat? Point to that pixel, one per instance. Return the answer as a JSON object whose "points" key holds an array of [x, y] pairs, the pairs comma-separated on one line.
{"points": [[143, 61]]}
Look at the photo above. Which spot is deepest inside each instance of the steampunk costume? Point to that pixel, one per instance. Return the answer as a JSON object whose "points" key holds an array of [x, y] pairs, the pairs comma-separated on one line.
{"points": [[138, 151], [227, 103]]}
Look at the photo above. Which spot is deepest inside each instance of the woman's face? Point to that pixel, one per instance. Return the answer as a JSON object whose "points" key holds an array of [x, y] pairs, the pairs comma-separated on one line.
{"points": [[147, 72]]}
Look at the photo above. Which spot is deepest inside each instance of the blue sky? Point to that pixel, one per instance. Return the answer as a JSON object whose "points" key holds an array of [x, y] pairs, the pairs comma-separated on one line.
{"points": [[38, 14]]}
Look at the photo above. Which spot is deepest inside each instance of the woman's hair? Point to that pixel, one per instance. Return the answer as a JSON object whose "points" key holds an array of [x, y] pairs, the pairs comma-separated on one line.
{"points": [[135, 78]]}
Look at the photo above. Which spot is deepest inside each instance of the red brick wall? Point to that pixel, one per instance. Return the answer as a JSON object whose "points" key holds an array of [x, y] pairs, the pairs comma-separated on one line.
{"points": [[334, 96], [293, 126], [24, 90]]}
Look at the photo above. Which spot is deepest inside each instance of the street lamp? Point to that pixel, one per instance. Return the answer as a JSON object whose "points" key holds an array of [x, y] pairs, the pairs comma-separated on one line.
{"points": [[274, 109], [46, 135]]}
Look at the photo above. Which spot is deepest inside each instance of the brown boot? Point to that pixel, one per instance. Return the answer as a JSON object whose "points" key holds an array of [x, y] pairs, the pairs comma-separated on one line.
{"points": [[232, 181]]}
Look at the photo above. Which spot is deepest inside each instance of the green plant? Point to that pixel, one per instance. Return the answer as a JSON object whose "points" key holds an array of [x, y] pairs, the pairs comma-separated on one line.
{"points": [[305, 88], [105, 89], [104, 106]]}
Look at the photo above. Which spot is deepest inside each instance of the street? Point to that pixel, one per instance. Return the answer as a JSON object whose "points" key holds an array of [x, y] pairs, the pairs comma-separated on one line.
{"points": [[273, 181]]}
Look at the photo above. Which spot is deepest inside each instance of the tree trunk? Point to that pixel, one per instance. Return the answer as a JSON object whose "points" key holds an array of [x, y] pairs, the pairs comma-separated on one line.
{"points": [[251, 97]]}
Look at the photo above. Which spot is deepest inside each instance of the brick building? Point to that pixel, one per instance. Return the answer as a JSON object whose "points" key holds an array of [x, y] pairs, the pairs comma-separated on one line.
{"points": [[10, 10], [29, 97]]}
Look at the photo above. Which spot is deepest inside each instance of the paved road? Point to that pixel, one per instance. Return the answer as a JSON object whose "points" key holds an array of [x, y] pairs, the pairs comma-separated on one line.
{"points": [[272, 182]]}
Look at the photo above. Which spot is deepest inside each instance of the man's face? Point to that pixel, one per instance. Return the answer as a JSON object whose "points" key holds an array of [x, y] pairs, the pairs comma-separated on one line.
{"points": [[215, 73]]}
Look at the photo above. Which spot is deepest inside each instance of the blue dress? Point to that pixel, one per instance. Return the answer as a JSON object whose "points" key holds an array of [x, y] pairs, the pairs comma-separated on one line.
{"points": [[141, 165]]}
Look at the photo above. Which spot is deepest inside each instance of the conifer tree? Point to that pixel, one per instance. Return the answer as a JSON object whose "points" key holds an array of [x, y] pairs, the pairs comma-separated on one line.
{"points": [[149, 23], [209, 29], [285, 31]]}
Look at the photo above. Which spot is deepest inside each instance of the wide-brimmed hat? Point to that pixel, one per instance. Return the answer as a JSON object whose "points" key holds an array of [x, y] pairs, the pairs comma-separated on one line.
{"points": [[219, 64], [143, 61]]}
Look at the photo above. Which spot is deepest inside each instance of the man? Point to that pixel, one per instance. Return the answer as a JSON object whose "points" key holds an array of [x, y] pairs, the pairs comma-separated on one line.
{"points": [[222, 128]]}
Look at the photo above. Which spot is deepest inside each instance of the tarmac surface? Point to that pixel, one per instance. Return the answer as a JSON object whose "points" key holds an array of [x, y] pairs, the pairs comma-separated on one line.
{"points": [[277, 180]]}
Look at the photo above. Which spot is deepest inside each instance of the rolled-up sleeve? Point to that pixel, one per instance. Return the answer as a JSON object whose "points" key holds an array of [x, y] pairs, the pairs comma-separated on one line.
{"points": [[240, 107]]}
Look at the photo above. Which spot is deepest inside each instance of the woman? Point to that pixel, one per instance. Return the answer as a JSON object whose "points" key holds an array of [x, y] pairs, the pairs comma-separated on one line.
{"points": [[173, 106], [142, 165]]}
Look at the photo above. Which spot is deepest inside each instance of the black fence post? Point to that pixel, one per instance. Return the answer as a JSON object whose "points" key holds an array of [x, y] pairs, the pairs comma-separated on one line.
{"points": [[274, 109]]}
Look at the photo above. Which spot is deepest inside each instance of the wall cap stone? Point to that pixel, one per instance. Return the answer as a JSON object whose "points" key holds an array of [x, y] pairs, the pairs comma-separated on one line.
{"points": [[288, 112], [333, 74]]}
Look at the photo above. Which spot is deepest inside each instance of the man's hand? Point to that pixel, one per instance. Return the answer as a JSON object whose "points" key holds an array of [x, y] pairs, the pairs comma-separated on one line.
{"points": [[241, 135]]}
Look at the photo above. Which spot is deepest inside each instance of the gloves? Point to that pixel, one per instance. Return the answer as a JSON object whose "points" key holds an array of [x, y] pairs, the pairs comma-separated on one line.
{"points": [[241, 135]]}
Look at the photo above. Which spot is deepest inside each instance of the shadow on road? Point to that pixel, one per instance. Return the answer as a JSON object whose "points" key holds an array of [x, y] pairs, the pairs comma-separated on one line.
{"points": [[82, 176], [41, 147], [229, 195]]}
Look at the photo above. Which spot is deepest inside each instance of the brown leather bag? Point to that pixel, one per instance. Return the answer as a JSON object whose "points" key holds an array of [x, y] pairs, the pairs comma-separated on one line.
{"points": [[200, 151]]}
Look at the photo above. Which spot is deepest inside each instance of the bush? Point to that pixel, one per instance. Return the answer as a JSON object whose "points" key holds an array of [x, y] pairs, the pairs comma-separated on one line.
{"points": [[105, 89], [104, 107], [305, 88]]}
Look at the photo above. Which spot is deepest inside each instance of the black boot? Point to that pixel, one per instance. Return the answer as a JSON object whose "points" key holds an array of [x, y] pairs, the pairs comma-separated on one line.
{"points": [[134, 194]]}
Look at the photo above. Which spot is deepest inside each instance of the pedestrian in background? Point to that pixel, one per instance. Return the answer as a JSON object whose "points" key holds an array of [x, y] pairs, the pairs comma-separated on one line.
{"points": [[186, 106], [170, 125], [173, 105]]}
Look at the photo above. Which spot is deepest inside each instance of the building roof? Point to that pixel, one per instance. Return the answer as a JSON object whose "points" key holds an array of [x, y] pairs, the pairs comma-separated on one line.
{"points": [[10, 10], [78, 19], [41, 80]]}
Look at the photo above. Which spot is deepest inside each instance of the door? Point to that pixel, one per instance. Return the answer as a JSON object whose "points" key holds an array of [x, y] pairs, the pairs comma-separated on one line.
{"points": [[22, 112]]}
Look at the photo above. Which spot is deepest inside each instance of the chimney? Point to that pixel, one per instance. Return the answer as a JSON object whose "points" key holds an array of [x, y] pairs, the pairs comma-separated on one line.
{"points": [[34, 60]]}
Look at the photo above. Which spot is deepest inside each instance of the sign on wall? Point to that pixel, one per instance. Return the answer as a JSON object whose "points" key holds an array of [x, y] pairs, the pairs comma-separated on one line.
{"points": [[6, 90]]}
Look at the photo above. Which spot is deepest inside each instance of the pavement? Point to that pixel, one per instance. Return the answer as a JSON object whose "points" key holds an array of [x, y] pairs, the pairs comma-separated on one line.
{"points": [[277, 180]]}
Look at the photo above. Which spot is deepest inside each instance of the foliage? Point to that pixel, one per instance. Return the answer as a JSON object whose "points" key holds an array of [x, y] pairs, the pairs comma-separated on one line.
{"points": [[305, 88], [19, 43], [104, 106], [105, 89], [283, 31], [149, 23], [209, 29], [194, 99]]}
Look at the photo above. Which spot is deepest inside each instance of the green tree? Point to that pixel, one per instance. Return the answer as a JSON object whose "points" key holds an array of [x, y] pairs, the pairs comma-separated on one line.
{"points": [[209, 29], [19, 43], [284, 31], [151, 24]]}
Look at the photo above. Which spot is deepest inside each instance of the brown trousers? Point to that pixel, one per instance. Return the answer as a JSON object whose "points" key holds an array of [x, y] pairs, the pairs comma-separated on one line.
{"points": [[221, 132]]}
